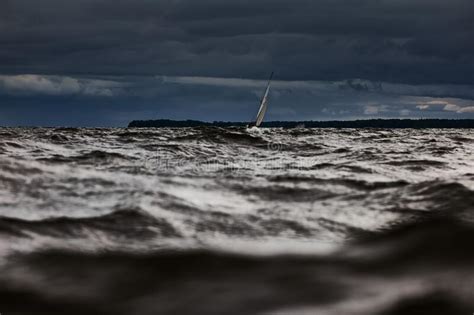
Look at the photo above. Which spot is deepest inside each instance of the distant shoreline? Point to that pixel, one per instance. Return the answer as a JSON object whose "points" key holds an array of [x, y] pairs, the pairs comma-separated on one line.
{"points": [[369, 123]]}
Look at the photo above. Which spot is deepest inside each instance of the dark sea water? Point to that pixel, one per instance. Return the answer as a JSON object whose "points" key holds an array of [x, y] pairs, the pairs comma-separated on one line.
{"points": [[236, 221]]}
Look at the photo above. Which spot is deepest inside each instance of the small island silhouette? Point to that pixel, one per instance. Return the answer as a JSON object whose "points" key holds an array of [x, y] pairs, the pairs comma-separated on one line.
{"points": [[368, 123]]}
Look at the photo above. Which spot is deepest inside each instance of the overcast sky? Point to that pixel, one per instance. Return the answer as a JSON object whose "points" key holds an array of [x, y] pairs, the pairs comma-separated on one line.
{"points": [[106, 62]]}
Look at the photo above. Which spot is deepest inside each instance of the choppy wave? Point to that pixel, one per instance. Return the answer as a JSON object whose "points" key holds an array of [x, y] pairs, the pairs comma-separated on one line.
{"points": [[236, 221]]}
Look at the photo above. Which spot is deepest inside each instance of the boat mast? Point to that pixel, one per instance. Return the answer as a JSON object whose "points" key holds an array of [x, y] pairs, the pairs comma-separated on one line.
{"points": [[263, 105]]}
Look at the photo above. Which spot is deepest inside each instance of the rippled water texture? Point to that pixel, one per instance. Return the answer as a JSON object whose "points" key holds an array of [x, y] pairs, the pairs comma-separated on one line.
{"points": [[236, 221]]}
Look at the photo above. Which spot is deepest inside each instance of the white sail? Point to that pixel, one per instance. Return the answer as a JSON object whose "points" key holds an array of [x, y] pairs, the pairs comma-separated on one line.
{"points": [[263, 105]]}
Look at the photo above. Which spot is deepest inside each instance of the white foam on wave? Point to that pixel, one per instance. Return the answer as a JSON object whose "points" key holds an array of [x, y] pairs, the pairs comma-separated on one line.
{"points": [[317, 186]]}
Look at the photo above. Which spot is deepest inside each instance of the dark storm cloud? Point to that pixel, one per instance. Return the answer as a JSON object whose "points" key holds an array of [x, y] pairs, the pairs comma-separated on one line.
{"points": [[416, 41], [379, 57], [114, 101]]}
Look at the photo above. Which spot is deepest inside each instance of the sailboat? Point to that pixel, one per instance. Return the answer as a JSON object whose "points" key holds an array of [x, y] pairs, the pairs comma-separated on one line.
{"points": [[263, 106]]}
